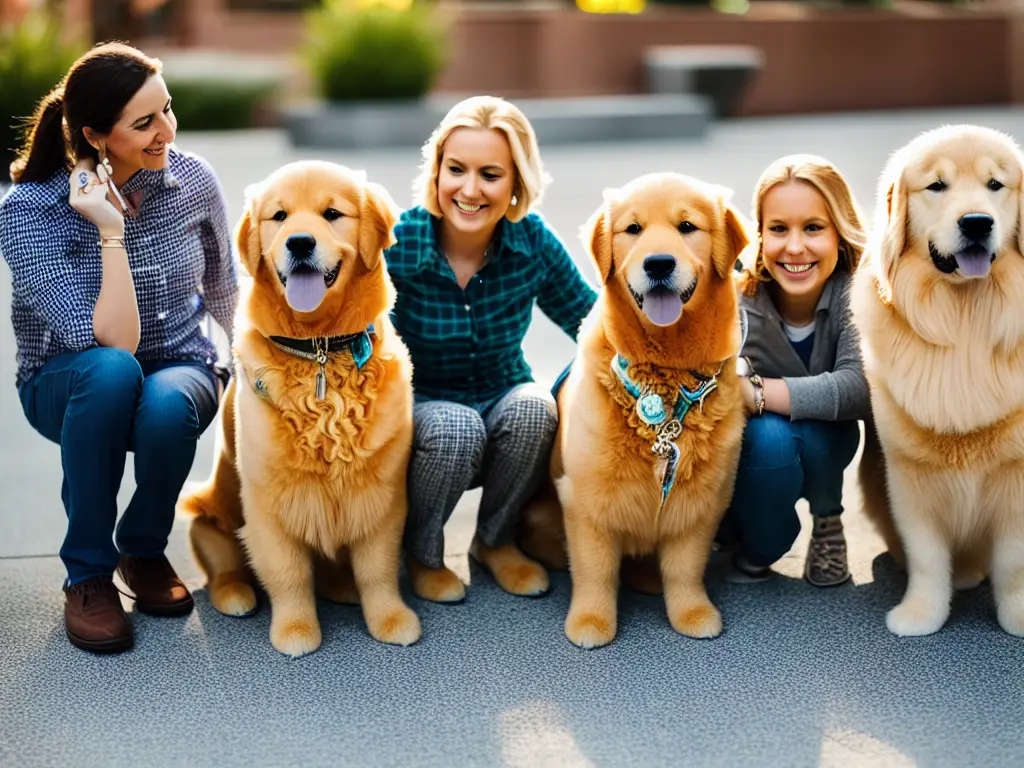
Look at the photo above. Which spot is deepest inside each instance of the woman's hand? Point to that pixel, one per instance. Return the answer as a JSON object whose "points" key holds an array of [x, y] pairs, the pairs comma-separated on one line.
{"points": [[88, 196]]}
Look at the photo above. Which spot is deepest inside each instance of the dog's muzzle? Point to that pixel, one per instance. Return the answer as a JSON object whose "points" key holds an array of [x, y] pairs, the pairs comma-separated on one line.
{"points": [[305, 283], [975, 255]]}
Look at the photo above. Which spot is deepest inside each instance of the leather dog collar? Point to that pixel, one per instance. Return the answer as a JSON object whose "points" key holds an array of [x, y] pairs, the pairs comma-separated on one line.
{"points": [[320, 349]]}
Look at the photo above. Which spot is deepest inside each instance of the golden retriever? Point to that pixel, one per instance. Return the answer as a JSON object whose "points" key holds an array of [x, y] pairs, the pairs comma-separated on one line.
{"points": [[666, 325], [939, 302], [310, 470]]}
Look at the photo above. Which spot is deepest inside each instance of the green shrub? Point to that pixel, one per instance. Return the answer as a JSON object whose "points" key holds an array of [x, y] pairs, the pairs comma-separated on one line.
{"points": [[361, 52], [217, 103], [33, 59]]}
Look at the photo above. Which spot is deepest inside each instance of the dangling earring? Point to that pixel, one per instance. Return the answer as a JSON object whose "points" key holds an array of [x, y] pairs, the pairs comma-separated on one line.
{"points": [[105, 171], [103, 168], [514, 201]]}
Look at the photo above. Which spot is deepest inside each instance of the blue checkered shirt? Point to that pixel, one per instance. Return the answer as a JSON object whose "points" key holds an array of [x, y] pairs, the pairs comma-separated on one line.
{"points": [[467, 345], [179, 251]]}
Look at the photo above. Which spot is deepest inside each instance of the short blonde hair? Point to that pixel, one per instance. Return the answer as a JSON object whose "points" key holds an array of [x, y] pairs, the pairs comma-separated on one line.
{"points": [[489, 113], [842, 208]]}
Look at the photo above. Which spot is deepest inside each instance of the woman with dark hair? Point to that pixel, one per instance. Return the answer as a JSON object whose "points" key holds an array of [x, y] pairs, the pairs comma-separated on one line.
{"points": [[118, 246]]}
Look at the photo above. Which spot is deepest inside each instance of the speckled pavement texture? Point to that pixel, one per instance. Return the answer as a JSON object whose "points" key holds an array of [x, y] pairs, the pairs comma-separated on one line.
{"points": [[800, 677]]}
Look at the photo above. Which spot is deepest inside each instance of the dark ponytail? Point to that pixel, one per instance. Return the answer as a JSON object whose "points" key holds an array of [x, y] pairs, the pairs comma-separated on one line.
{"points": [[92, 95], [45, 150]]}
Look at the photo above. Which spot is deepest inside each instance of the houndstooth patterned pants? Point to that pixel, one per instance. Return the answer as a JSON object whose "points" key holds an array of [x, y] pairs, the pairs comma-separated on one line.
{"points": [[503, 446]]}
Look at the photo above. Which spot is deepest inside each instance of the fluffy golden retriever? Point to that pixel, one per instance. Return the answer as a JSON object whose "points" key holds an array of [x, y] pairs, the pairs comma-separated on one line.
{"points": [[651, 415], [939, 302], [310, 471]]}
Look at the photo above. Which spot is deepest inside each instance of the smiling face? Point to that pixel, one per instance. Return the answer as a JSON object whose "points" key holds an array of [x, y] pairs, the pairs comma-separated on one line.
{"points": [[664, 249], [475, 180], [800, 240], [144, 129], [669, 241], [963, 201], [312, 237]]}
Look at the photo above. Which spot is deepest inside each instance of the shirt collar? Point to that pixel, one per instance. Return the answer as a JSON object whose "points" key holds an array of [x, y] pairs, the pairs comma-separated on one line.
{"points": [[151, 181], [509, 237]]}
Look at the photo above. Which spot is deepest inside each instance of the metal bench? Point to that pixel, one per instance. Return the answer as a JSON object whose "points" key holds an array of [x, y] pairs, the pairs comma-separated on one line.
{"points": [[720, 72]]}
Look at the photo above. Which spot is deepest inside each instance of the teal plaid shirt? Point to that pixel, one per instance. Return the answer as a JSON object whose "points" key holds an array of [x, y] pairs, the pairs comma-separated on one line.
{"points": [[467, 345]]}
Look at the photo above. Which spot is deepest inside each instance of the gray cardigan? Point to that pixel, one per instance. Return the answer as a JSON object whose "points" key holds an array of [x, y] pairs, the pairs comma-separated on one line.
{"points": [[834, 389]]}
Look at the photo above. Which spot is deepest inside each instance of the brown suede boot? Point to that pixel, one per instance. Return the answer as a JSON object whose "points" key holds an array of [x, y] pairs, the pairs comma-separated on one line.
{"points": [[158, 590], [93, 617]]}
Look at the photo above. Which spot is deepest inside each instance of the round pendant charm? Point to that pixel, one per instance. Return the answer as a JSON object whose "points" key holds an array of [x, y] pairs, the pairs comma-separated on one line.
{"points": [[651, 409], [261, 389]]}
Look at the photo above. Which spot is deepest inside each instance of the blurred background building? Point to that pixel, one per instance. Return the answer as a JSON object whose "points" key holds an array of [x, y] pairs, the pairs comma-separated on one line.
{"points": [[240, 62]]}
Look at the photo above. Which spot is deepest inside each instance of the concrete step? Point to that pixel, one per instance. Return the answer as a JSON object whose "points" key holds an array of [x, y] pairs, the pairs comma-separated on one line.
{"points": [[556, 121]]}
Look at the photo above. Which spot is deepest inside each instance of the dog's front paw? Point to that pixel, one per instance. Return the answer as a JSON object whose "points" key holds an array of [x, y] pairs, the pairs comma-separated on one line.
{"points": [[700, 620], [233, 597], [295, 637], [915, 617], [589, 629], [1011, 614], [397, 627]]}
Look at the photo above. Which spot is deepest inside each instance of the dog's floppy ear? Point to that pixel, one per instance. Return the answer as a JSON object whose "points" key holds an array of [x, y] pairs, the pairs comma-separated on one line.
{"points": [[1020, 209], [596, 235], [377, 217], [892, 218], [737, 237], [247, 233], [1020, 221]]}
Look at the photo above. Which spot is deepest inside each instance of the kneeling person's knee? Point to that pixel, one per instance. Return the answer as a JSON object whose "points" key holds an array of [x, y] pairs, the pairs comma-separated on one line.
{"points": [[451, 430]]}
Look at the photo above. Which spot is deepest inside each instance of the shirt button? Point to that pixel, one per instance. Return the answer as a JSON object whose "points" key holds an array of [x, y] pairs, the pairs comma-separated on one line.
{"points": [[467, 308], [161, 315]]}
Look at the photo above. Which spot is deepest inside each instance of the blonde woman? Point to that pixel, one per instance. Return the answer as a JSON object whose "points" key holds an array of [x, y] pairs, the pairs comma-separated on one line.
{"points": [[805, 389], [470, 262]]}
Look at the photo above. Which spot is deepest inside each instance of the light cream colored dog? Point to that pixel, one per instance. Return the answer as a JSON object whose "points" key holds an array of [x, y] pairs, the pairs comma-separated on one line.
{"points": [[939, 301]]}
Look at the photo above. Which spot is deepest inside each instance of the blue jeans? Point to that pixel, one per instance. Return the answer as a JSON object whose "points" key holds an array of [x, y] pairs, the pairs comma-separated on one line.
{"points": [[782, 461], [98, 405]]}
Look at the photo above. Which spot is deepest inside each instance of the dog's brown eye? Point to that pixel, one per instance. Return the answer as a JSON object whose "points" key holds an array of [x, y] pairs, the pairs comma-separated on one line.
{"points": [[332, 214], [634, 229], [686, 228], [280, 216], [995, 185], [936, 186]]}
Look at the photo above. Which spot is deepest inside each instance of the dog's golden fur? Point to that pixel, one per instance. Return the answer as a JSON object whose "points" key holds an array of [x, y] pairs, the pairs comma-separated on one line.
{"points": [[943, 355], [313, 491], [608, 480]]}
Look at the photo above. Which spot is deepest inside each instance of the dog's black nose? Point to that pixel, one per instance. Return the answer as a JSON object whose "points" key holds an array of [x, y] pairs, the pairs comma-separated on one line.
{"points": [[300, 246], [659, 266], [976, 226]]}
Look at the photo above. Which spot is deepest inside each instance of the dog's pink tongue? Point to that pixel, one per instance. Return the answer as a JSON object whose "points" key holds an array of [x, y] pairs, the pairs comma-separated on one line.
{"points": [[305, 290], [662, 307], [974, 262]]}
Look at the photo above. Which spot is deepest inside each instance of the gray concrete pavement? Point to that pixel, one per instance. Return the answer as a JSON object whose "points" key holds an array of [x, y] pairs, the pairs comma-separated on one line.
{"points": [[800, 677]]}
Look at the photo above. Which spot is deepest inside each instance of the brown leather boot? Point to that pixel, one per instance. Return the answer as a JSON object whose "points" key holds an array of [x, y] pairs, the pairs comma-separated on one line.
{"points": [[158, 590], [93, 617]]}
